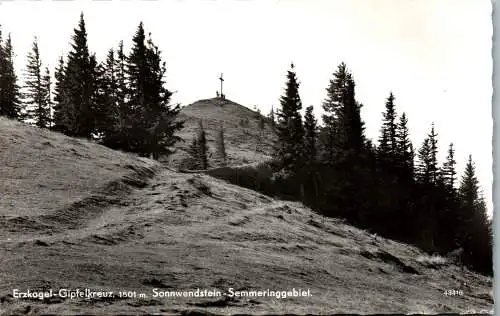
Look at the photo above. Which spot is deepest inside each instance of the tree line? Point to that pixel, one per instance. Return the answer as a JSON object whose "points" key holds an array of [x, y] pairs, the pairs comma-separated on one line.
{"points": [[390, 187], [121, 102]]}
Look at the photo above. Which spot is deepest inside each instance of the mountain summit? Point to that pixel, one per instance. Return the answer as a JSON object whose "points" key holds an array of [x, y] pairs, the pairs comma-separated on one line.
{"points": [[249, 136]]}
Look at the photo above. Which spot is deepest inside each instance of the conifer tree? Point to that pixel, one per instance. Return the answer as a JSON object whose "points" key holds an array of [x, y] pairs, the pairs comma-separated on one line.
{"points": [[154, 123], [271, 117], [162, 122], [220, 148], [79, 86], [475, 228], [9, 90], [428, 171], [344, 129], [332, 107], [36, 96], [469, 186], [102, 98], [60, 108], [448, 172], [120, 116], [105, 100], [47, 83], [136, 72], [289, 127], [424, 163], [434, 170], [121, 87], [404, 148], [310, 136], [198, 149], [388, 138]]}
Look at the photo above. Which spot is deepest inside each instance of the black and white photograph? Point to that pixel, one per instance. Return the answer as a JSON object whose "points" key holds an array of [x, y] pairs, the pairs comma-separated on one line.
{"points": [[246, 157]]}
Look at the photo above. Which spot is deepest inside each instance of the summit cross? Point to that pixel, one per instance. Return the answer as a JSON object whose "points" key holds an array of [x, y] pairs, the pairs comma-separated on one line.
{"points": [[221, 81]]}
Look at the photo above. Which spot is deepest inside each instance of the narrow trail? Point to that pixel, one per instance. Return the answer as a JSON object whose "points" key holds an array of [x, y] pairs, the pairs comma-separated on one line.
{"points": [[172, 196]]}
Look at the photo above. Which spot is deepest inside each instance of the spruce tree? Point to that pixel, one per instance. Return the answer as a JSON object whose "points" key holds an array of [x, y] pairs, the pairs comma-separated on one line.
{"points": [[162, 124], [433, 167], [136, 72], [344, 130], [220, 148], [424, 162], [332, 107], [469, 186], [60, 116], [121, 89], [9, 90], [403, 142], [36, 96], [198, 149], [120, 117], [289, 127], [105, 100], [102, 99], [154, 125], [137, 69], [310, 136], [476, 237], [271, 117], [404, 149], [47, 83], [448, 171], [79, 86], [428, 172], [388, 139]]}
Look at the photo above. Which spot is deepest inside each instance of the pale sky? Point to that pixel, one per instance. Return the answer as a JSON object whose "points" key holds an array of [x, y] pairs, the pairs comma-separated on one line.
{"points": [[434, 55]]}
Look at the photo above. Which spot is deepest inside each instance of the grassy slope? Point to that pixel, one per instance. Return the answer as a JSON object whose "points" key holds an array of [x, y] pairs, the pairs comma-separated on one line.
{"points": [[44, 172], [132, 225], [242, 143]]}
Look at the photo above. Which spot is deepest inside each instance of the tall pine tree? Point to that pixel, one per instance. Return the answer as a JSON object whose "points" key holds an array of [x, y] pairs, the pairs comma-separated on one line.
{"points": [[332, 107], [199, 149], [310, 136], [154, 118], [428, 172], [289, 127], [9, 90], [36, 96], [79, 87], [344, 130], [448, 172], [404, 149], [388, 138], [105, 100], [220, 148], [476, 235], [47, 83], [60, 109]]}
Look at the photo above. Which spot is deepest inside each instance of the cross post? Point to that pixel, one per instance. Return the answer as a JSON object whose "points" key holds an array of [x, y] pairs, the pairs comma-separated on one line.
{"points": [[221, 81]]}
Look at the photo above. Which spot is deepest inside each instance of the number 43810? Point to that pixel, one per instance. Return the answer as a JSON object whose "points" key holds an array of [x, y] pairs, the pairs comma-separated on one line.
{"points": [[453, 292]]}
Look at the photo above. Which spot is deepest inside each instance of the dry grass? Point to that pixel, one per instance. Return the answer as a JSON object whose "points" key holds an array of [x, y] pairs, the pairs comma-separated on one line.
{"points": [[43, 171]]}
